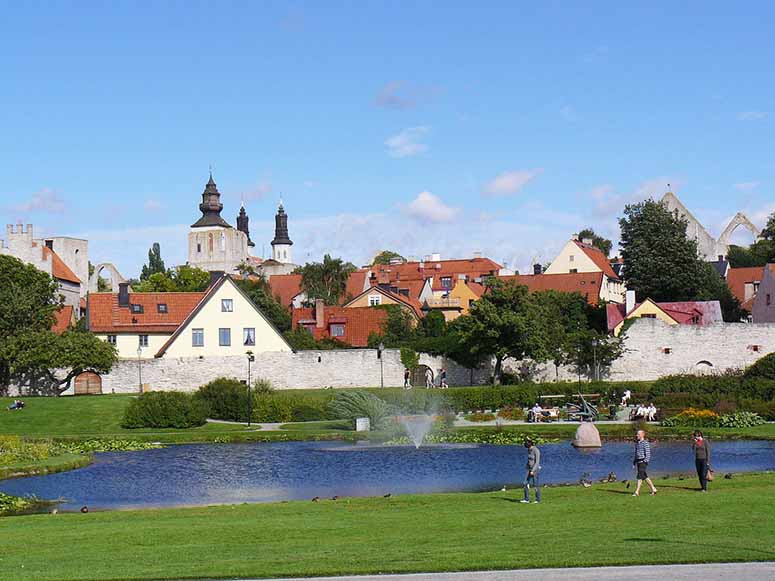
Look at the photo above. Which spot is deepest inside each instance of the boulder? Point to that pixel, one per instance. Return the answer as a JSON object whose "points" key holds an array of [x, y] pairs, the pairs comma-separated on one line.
{"points": [[587, 436]]}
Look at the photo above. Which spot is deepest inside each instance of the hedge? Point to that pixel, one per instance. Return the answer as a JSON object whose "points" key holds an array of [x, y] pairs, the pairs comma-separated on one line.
{"points": [[164, 409], [763, 368]]}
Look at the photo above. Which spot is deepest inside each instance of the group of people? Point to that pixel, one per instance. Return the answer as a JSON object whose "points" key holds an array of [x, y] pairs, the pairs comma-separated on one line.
{"points": [[428, 378], [644, 412], [641, 459], [16, 404]]}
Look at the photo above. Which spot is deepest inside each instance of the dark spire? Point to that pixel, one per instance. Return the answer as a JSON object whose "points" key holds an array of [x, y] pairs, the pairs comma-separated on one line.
{"points": [[211, 207], [281, 227], [242, 224]]}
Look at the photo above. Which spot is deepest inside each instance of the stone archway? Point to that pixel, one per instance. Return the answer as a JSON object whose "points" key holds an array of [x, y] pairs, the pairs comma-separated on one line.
{"points": [[739, 220], [418, 375], [87, 383], [115, 277], [703, 367]]}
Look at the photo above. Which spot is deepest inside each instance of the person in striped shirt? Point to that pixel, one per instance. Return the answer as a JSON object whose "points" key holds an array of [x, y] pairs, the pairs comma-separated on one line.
{"points": [[641, 462]]}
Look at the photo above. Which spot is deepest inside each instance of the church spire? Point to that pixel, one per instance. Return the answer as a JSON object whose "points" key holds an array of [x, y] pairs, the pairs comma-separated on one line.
{"points": [[242, 224], [281, 245], [211, 207]]}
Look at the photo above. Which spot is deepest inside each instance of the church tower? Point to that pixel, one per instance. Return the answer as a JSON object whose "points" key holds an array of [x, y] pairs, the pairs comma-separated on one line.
{"points": [[242, 224], [281, 245]]}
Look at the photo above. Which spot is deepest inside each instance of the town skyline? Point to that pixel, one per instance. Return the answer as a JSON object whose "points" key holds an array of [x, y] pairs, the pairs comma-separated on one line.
{"points": [[507, 145]]}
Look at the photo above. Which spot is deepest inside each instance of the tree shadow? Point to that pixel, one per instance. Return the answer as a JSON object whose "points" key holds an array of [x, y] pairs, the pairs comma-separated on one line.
{"points": [[769, 554], [695, 489], [627, 492]]}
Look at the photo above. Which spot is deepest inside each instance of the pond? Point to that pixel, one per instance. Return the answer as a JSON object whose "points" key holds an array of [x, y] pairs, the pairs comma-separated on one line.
{"points": [[204, 474]]}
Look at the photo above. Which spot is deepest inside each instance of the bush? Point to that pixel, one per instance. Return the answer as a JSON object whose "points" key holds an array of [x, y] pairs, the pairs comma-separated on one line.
{"points": [[480, 417], [272, 408], [224, 399], [14, 449], [512, 413], [349, 405], [694, 418], [766, 409], [164, 409], [740, 420], [731, 385], [263, 386], [764, 368]]}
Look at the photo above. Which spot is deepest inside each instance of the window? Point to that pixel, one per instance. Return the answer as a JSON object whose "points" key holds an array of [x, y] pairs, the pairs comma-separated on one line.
{"points": [[768, 298], [249, 336], [224, 337], [337, 330], [142, 340], [136, 308], [197, 337], [571, 258], [375, 300], [199, 248], [649, 316], [162, 307], [308, 327], [667, 350], [227, 305], [574, 270], [112, 339], [446, 282]]}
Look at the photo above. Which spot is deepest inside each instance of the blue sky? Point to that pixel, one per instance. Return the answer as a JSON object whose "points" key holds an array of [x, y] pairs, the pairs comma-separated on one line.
{"points": [[422, 127]]}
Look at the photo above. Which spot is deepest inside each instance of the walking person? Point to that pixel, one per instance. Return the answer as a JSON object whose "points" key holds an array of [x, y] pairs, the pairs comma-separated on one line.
{"points": [[641, 462], [443, 379], [701, 448], [428, 378], [407, 379], [533, 468]]}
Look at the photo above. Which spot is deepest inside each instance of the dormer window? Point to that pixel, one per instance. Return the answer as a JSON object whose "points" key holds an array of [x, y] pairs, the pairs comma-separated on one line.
{"points": [[162, 308], [227, 305], [446, 282], [136, 308], [337, 330]]}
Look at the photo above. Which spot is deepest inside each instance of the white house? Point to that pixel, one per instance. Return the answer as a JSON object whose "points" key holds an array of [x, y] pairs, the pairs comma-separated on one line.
{"points": [[582, 257], [221, 321]]}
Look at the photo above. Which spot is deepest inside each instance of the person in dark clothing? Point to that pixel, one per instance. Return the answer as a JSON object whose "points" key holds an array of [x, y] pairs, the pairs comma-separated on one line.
{"points": [[407, 379], [701, 448], [641, 462], [533, 468]]}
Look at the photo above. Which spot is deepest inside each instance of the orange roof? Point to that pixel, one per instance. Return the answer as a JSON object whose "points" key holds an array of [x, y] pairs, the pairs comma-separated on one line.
{"points": [[58, 267], [596, 255], [586, 283], [471, 267], [285, 287], [737, 278], [64, 317], [105, 316], [359, 323], [355, 283]]}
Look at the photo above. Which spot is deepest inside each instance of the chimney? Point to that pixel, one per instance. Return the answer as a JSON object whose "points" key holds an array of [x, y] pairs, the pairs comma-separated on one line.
{"points": [[721, 258], [320, 313], [477, 254], [50, 244], [435, 257], [587, 241], [215, 276], [123, 294], [629, 302], [538, 269]]}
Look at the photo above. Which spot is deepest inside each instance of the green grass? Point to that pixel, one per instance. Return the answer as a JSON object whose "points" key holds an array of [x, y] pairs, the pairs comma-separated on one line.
{"points": [[574, 526], [48, 466]]}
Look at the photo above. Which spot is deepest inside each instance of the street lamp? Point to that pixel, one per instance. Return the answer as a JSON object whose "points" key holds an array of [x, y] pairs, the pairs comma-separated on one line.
{"points": [[139, 369], [251, 359], [380, 349], [595, 343]]}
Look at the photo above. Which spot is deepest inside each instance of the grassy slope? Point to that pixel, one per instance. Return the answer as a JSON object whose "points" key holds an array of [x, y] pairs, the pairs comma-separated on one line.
{"points": [[574, 526], [47, 466]]}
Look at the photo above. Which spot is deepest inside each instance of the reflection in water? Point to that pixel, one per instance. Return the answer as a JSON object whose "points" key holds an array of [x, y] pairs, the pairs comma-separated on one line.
{"points": [[259, 472]]}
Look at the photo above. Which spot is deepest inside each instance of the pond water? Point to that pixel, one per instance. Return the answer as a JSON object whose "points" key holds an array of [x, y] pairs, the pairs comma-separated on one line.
{"points": [[203, 474]]}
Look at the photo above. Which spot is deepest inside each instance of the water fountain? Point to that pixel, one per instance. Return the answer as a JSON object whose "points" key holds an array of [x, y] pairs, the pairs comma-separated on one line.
{"points": [[417, 427]]}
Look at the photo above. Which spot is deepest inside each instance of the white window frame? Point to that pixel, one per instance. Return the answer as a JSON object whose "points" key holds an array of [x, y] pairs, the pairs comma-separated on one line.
{"points": [[375, 300], [227, 305], [331, 328], [245, 335], [111, 339], [221, 342], [142, 340], [201, 333]]}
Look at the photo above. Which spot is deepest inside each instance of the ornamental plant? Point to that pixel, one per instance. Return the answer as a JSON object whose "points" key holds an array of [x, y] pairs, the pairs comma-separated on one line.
{"points": [[697, 418]]}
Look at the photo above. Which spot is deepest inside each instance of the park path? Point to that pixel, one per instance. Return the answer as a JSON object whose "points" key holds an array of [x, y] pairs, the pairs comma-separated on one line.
{"points": [[706, 572]]}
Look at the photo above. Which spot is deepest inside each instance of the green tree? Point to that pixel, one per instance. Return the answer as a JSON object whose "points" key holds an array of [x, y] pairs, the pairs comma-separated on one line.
{"points": [[760, 253], [433, 324], [155, 263], [397, 330], [591, 352], [325, 280], [409, 358], [184, 278], [259, 291], [562, 315], [602, 244], [386, 256]]}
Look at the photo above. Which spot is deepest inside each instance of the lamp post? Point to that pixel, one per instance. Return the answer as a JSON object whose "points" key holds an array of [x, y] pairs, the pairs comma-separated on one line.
{"points": [[380, 349], [251, 359], [139, 369], [595, 343]]}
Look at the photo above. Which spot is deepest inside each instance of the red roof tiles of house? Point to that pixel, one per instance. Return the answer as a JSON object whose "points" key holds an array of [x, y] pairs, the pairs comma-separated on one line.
{"points": [[63, 318], [105, 316], [59, 269], [358, 322], [472, 267], [737, 278], [683, 313], [285, 287], [596, 255], [586, 283]]}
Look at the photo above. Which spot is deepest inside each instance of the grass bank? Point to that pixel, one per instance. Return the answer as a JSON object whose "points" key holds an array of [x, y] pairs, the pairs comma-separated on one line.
{"points": [[51, 465], [574, 526]]}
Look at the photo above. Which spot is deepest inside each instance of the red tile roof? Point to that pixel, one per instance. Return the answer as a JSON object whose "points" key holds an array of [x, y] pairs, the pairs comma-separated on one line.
{"points": [[586, 283], [59, 269], [596, 255], [64, 317], [285, 287], [356, 283], [359, 322], [738, 277], [471, 267], [105, 316], [683, 313]]}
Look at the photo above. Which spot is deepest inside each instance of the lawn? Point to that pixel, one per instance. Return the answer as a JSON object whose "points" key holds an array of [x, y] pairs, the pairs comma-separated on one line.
{"points": [[574, 526]]}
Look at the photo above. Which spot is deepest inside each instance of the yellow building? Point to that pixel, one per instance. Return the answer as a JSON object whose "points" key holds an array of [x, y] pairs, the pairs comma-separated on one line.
{"points": [[580, 257]]}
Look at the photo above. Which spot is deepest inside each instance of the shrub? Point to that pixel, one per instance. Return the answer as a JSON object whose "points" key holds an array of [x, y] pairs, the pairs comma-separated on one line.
{"points": [[512, 413], [740, 420], [224, 399], [272, 408], [349, 405], [694, 418], [164, 409], [480, 417], [765, 409], [14, 449], [763, 368], [309, 410], [263, 386]]}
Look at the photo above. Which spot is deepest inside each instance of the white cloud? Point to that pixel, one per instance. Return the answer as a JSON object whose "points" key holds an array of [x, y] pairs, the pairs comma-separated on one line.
{"points": [[427, 207], [747, 186], [510, 182], [45, 200], [403, 95], [607, 201], [152, 205], [752, 115], [407, 142]]}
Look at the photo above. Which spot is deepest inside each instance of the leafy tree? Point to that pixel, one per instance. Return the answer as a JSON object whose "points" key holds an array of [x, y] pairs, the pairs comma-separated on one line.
{"points": [[409, 358], [259, 291], [184, 278], [386, 256], [591, 351], [433, 324], [325, 280], [397, 330], [301, 340], [504, 323], [245, 269], [602, 244], [155, 263], [760, 253], [562, 315]]}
